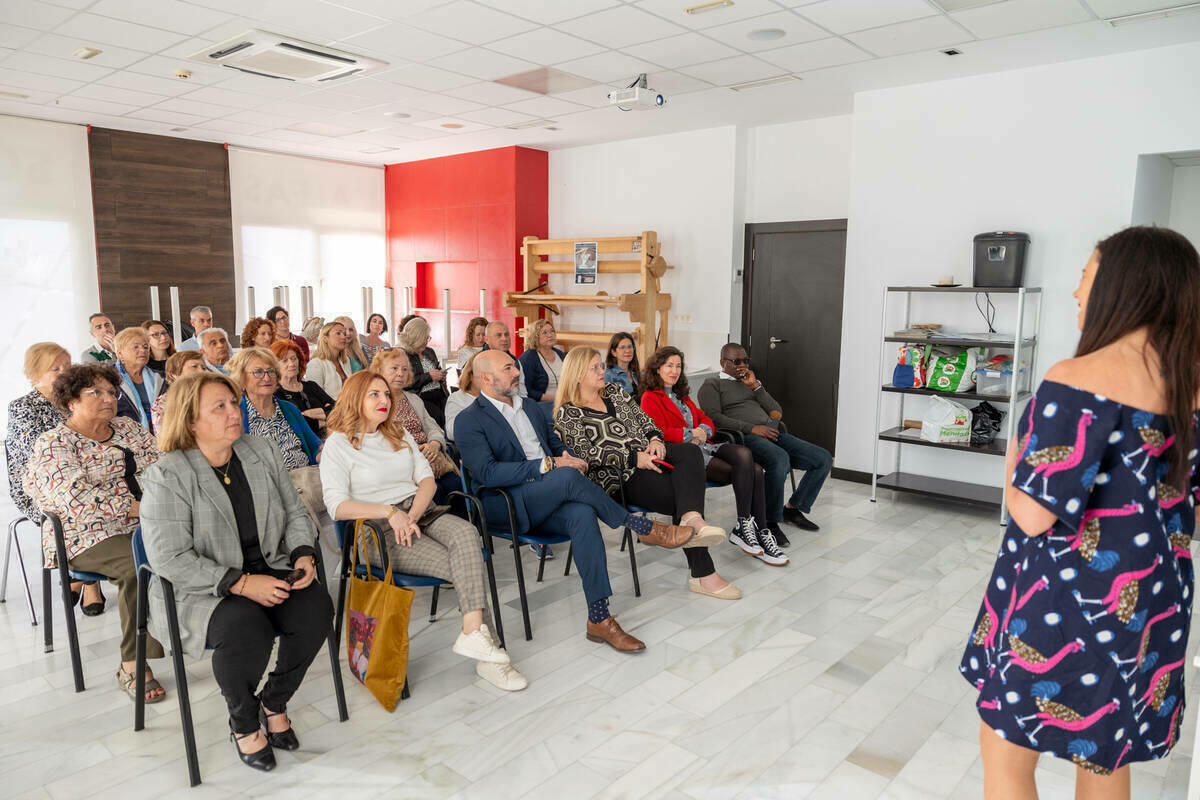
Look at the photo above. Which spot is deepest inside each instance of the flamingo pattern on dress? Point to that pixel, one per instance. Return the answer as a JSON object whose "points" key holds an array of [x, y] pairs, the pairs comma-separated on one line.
{"points": [[1079, 646]]}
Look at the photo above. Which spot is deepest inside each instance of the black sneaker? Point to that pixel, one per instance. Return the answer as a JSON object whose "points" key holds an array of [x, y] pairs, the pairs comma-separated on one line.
{"points": [[794, 516], [771, 553], [745, 536], [781, 538]]}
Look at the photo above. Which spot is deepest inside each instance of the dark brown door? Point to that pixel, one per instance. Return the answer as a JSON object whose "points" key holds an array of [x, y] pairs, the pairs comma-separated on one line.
{"points": [[792, 320]]}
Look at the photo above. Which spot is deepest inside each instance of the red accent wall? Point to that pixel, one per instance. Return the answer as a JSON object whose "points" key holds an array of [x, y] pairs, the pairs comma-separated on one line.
{"points": [[457, 222]]}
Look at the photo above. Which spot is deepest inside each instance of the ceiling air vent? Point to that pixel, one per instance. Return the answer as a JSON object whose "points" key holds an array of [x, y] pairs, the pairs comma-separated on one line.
{"points": [[273, 56]]}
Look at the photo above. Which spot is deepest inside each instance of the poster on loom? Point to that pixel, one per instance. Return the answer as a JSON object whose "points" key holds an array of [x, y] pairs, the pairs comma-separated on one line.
{"points": [[585, 262]]}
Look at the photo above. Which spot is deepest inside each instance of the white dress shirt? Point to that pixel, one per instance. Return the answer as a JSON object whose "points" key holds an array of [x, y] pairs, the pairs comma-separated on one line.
{"points": [[372, 472], [518, 420]]}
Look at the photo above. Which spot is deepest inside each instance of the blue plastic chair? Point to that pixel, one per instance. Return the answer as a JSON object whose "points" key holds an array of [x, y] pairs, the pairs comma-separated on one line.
{"points": [[144, 574], [65, 576]]}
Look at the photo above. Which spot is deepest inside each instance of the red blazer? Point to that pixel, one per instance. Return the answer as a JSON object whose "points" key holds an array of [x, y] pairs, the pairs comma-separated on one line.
{"points": [[669, 418]]}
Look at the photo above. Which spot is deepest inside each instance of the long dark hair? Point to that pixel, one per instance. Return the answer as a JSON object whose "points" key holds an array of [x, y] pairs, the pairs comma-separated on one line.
{"points": [[1149, 278], [651, 380], [611, 361]]}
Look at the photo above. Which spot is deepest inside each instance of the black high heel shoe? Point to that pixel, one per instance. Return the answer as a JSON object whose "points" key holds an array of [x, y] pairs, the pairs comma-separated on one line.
{"points": [[262, 760], [94, 609], [284, 740]]}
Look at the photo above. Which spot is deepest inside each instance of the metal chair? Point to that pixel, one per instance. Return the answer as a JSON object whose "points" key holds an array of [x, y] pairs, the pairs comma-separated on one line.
{"points": [[11, 542], [65, 576], [181, 685]]}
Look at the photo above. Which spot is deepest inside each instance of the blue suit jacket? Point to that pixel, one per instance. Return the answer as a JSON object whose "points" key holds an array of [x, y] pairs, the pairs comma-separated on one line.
{"points": [[494, 457]]}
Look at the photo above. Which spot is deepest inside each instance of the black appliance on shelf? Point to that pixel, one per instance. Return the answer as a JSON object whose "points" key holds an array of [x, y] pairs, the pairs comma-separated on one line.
{"points": [[1000, 259]]}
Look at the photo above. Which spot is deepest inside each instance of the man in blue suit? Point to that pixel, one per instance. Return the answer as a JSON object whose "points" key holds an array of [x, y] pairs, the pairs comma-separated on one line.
{"points": [[508, 443]]}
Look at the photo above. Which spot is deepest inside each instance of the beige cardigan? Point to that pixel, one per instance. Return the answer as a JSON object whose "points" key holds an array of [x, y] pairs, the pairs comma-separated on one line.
{"points": [[322, 372]]}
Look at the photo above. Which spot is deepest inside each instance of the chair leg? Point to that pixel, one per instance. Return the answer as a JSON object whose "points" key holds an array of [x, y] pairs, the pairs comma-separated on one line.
{"points": [[72, 633], [341, 598], [541, 565], [433, 604], [47, 615], [516, 548], [139, 702], [495, 602], [623, 541], [15, 542], [404, 693], [181, 686], [339, 689], [637, 587], [570, 556], [12, 534]]}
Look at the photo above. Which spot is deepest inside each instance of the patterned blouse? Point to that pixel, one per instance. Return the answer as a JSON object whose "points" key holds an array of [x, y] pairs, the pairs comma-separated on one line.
{"points": [[277, 429], [369, 350], [83, 482], [29, 416], [608, 440]]}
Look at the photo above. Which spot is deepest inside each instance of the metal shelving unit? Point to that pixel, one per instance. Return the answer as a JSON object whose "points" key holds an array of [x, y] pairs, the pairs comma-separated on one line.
{"points": [[1024, 349]]}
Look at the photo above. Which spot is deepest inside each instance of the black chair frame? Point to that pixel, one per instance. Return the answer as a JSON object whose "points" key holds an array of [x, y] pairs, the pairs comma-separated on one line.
{"points": [[66, 576]]}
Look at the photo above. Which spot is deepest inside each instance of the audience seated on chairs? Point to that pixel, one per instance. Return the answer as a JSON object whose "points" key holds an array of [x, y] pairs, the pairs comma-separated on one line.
{"points": [[354, 352], [625, 452], [429, 379], [473, 342], [508, 443], [622, 364], [161, 346], [214, 344], [330, 365], [259, 332], [140, 385], [541, 363], [373, 470], [87, 470], [468, 390], [497, 337], [221, 521], [278, 315], [256, 370], [667, 402], [200, 318], [185, 362], [736, 399], [102, 331], [372, 341], [314, 404]]}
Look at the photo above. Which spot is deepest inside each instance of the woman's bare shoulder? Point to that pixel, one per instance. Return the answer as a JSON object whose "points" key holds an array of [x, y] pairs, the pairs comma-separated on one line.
{"points": [[1112, 373]]}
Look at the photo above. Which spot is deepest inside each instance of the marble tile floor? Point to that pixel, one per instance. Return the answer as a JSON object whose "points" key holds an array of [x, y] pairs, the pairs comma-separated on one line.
{"points": [[834, 678]]}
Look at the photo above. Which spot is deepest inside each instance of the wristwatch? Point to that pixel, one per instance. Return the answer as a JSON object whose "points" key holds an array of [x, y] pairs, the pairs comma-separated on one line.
{"points": [[547, 464]]}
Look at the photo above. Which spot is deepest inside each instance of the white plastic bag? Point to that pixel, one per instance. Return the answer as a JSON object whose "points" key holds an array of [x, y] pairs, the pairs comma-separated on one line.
{"points": [[946, 422]]}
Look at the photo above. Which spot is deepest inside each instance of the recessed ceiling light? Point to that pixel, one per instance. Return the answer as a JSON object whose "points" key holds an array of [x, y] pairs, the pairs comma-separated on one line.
{"points": [[85, 53], [18, 95], [178, 130], [766, 34], [452, 125], [704, 8], [952, 52], [741, 87], [396, 114], [533, 123]]}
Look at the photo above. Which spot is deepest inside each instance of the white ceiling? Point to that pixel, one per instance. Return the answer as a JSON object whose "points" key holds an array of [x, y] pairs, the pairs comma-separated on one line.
{"points": [[443, 56]]}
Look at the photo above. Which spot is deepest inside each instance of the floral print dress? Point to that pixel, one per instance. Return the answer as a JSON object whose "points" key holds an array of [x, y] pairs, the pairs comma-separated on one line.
{"points": [[1079, 648]]}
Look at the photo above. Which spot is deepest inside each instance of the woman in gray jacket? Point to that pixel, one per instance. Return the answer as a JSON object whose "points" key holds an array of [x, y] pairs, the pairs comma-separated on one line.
{"points": [[221, 521]]}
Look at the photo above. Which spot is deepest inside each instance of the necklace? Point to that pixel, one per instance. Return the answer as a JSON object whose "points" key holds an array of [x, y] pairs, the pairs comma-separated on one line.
{"points": [[225, 474]]}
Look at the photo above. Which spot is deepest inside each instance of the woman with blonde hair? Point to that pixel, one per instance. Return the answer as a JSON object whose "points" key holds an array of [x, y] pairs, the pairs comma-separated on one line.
{"points": [[330, 365], [222, 522], [473, 342], [185, 362], [542, 362], [468, 390], [429, 379], [354, 350], [256, 371], [258, 332], [374, 471], [140, 385]]}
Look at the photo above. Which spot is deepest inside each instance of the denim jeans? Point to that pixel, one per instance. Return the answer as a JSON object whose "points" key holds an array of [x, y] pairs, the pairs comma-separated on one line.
{"points": [[778, 459]]}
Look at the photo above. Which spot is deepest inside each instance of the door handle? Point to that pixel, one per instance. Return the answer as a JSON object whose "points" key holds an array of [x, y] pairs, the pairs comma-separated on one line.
{"points": [[775, 341]]}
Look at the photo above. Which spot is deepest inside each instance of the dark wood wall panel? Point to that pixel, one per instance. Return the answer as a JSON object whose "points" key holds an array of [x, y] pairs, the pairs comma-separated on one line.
{"points": [[162, 218]]}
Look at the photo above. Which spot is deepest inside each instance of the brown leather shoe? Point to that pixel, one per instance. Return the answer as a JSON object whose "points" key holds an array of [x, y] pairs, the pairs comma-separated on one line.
{"points": [[668, 536], [610, 632]]}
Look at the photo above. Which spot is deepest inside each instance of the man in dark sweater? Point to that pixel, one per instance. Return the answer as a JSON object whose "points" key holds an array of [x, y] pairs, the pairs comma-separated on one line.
{"points": [[736, 399]]}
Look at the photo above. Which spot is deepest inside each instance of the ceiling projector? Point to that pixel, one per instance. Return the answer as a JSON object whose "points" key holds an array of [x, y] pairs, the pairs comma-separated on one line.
{"points": [[636, 96]]}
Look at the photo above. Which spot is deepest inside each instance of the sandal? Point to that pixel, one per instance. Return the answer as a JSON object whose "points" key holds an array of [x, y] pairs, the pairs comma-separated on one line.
{"points": [[284, 740], [128, 682]]}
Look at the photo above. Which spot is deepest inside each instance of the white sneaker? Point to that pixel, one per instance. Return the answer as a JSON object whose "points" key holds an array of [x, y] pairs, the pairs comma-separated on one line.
{"points": [[502, 676], [480, 646]]}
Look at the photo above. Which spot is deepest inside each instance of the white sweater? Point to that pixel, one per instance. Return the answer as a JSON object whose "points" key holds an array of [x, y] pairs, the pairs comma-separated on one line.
{"points": [[375, 473], [322, 372]]}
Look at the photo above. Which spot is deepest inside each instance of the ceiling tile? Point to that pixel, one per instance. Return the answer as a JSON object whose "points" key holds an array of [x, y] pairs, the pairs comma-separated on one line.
{"points": [[931, 33], [844, 16], [338, 100], [224, 97], [406, 97], [546, 46], [146, 83], [229, 126], [470, 22], [377, 116], [405, 42], [370, 89], [93, 28], [545, 107], [112, 94], [680, 51], [672, 11], [202, 74], [186, 106], [1020, 16], [608, 66], [78, 5], [496, 117], [440, 124], [413, 132], [263, 119], [738, 69], [62, 47], [285, 135], [484, 64], [169, 117], [57, 67], [815, 55], [266, 87], [320, 22], [98, 106], [187, 47], [1116, 8], [592, 96], [422, 76], [795, 30], [670, 83], [491, 94], [35, 97], [389, 9], [323, 129], [621, 26], [170, 15], [32, 14], [549, 13], [15, 37], [392, 135]]}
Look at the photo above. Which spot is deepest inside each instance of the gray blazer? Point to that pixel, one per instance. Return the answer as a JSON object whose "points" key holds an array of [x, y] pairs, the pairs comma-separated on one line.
{"points": [[191, 535]]}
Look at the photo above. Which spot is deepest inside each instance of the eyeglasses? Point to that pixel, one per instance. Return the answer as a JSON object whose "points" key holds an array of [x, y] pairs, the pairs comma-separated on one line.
{"points": [[737, 362], [109, 393], [264, 373], [157, 334]]}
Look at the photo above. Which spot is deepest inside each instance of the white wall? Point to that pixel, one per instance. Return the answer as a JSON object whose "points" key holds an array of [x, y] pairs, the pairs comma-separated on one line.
{"points": [[47, 243], [683, 187], [1050, 150], [799, 170], [1152, 190], [1185, 203]]}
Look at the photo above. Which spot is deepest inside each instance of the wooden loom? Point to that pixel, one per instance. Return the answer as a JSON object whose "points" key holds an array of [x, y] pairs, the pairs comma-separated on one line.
{"points": [[641, 306]]}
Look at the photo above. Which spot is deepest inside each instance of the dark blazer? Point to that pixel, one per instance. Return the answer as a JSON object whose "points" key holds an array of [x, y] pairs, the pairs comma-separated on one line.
{"points": [[494, 457], [536, 379]]}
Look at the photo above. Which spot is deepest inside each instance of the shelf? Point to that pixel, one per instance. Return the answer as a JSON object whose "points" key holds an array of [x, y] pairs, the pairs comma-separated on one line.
{"points": [[995, 398], [997, 447], [942, 488], [963, 289], [948, 342]]}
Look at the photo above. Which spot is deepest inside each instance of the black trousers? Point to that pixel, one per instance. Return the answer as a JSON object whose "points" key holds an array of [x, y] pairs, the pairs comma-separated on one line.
{"points": [[241, 634], [675, 492], [734, 464]]}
